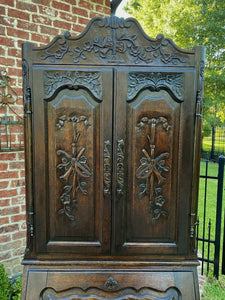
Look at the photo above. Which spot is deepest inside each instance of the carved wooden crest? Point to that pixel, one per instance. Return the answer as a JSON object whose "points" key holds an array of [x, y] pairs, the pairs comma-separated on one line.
{"points": [[119, 41]]}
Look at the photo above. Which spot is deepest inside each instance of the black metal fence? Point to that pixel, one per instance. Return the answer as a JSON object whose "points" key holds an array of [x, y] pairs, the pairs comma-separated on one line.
{"points": [[213, 143], [209, 244]]}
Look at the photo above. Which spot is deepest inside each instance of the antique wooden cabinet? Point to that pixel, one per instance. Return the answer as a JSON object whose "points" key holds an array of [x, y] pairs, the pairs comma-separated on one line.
{"points": [[112, 128]]}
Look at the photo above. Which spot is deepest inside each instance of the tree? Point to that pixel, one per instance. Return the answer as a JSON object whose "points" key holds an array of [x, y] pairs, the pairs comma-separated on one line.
{"points": [[190, 23]]}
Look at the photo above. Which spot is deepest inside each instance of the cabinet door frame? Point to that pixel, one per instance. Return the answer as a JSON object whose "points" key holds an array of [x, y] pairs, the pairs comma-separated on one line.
{"points": [[184, 151], [102, 211]]}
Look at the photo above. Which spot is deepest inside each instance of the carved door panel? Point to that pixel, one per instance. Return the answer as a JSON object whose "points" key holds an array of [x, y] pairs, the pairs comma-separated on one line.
{"points": [[72, 123], [155, 114]]}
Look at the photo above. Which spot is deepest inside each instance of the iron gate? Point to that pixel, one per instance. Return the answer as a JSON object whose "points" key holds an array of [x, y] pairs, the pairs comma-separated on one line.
{"points": [[205, 240]]}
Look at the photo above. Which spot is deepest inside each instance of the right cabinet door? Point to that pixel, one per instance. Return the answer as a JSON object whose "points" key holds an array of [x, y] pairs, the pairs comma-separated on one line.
{"points": [[154, 117]]}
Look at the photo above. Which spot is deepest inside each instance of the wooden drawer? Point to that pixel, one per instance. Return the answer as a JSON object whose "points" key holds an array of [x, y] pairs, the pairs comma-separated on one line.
{"points": [[111, 284]]}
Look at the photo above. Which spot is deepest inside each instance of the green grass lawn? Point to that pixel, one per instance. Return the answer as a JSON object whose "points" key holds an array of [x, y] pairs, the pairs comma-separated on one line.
{"points": [[213, 289]]}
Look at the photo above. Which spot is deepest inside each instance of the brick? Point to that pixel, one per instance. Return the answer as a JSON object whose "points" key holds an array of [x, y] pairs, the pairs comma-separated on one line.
{"points": [[4, 184], [14, 52], [35, 37], [7, 2], [22, 174], [14, 72], [27, 25], [101, 2], [19, 44], [23, 209], [7, 156], [16, 165], [9, 210], [9, 228], [94, 14], [18, 33], [26, 6], [7, 61], [73, 2], [62, 25], [18, 218], [3, 139], [8, 193], [86, 4], [18, 15], [61, 6], [68, 17], [21, 155], [2, 51], [83, 21], [78, 28], [19, 235], [5, 256], [6, 21], [2, 10], [49, 30], [80, 11], [24, 243], [9, 42], [5, 239], [42, 2], [11, 245], [18, 252], [17, 183], [4, 221], [12, 262], [4, 202], [24, 225], [48, 11], [9, 174], [22, 191], [41, 20], [3, 166], [103, 9], [18, 200], [2, 30]]}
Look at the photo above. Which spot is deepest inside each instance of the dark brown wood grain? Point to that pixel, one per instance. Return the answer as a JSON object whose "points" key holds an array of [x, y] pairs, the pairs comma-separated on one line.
{"points": [[112, 128]]}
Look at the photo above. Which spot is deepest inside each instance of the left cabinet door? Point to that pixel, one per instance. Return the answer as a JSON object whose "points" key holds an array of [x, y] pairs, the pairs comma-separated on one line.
{"points": [[72, 121]]}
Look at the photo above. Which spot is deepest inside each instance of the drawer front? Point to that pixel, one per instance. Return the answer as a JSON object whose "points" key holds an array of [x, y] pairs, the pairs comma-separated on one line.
{"points": [[119, 285]]}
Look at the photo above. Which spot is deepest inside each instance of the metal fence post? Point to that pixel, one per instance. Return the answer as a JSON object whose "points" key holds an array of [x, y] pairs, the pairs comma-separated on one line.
{"points": [[218, 216]]}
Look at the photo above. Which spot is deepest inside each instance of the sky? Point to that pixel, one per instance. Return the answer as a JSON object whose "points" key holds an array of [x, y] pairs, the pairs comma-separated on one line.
{"points": [[120, 12]]}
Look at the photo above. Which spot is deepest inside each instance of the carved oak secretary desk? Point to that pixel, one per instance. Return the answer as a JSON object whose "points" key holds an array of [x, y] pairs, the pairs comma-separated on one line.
{"points": [[112, 134]]}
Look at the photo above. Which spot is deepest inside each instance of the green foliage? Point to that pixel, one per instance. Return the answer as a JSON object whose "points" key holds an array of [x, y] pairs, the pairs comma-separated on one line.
{"points": [[16, 289], [5, 286], [190, 23], [9, 291]]}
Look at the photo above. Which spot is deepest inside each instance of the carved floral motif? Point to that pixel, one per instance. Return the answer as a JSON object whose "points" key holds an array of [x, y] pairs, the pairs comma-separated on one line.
{"points": [[117, 45], [107, 168], [120, 167], [111, 284], [90, 80], [171, 82], [129, 293], [151, 168], [74, 166], [199, 95]]}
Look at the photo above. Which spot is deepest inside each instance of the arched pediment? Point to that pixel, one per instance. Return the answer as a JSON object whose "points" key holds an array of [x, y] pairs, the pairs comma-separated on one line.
{"points": [[111, 41]]}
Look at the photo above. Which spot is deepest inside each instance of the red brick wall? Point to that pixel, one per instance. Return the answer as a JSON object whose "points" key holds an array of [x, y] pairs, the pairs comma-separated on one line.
{"points": [[37, 21]]}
